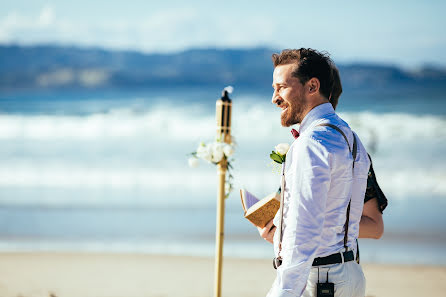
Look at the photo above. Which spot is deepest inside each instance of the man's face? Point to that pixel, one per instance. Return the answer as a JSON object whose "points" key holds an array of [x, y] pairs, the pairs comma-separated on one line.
{"points": [[288, 95]]}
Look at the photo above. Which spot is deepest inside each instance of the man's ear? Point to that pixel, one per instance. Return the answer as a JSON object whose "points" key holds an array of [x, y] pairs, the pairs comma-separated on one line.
{"points": [[313, 86]]}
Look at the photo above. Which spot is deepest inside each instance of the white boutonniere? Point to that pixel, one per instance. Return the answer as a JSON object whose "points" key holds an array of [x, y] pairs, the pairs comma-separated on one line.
{"points": [[279, 154]]}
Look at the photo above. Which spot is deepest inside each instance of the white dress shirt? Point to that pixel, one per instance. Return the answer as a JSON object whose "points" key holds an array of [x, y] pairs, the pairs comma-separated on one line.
{"points": [[319, 184]]}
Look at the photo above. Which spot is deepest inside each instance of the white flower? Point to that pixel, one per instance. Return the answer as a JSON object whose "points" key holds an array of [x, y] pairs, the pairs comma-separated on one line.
{"points": [[282, 148], [204, 152], [193, 162], [228, 149], [217, 152]]}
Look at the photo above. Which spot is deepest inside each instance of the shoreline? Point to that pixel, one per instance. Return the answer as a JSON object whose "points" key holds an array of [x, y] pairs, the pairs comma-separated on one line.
{"points": [[64, 274]]}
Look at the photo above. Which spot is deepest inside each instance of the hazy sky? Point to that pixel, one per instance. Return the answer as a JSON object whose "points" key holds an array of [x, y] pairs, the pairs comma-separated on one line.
{"points": [[408, 33]]}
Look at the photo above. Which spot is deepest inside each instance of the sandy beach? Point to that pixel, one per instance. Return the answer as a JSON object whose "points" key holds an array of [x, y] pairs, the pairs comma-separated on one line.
{"points": [[136, 275]]}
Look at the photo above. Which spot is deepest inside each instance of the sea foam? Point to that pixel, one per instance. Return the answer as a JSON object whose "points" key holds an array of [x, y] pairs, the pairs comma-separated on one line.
{"points": [[142, 154]]}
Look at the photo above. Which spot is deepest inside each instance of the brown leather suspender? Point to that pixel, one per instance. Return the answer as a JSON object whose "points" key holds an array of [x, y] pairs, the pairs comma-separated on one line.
{"points": [[282, 199], [354, 152]]}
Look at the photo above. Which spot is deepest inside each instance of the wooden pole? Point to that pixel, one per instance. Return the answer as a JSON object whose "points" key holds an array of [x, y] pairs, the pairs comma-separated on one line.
{"points": [[223, 116], [220, 227]]}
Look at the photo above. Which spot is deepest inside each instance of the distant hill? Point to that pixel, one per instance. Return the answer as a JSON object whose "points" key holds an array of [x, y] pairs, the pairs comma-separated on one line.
{"points": [[72, 67]]}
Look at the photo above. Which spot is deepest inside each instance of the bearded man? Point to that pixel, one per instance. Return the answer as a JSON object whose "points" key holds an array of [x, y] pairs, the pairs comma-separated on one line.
{"points": [[324, 180]]}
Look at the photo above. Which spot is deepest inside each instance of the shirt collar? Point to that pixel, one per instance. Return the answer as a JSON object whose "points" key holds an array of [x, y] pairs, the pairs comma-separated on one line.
{"points": [[316, 113]]}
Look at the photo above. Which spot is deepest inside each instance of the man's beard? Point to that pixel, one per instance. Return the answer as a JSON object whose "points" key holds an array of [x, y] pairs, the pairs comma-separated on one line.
{"points": [[292, 116]]}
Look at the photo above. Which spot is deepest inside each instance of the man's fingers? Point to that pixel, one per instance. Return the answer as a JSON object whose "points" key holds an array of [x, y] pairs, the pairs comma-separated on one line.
{"points": [[269, 224], [265, 231]]}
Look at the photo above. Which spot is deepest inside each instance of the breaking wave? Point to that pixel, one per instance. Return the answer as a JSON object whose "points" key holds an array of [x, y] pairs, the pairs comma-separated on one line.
{"points": [[141, 156]]}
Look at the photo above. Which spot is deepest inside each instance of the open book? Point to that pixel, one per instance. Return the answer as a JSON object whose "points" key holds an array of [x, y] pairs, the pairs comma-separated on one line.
{"points": [[260, 212]]}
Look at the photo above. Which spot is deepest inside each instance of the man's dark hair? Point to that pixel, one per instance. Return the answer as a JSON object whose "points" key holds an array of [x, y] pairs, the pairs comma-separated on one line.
{"points": [[312, 63], [336, 91]]}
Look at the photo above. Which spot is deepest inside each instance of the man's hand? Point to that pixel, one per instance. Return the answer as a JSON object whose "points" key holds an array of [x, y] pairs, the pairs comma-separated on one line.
{"points": [[268, 231]]}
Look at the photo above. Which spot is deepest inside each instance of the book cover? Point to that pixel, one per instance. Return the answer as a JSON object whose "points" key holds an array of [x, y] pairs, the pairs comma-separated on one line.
{"points": [[259, 211]]}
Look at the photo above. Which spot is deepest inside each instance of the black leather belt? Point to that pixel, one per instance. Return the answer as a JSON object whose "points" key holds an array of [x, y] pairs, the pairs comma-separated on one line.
{"points": [[334, 259]]}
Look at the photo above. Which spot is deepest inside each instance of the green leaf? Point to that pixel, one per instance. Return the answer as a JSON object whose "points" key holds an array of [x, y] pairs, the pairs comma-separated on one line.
{"points": [[276, 158]]}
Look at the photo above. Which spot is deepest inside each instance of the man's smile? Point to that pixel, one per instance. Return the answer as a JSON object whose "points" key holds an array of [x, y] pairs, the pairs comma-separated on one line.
{"points": [[283, 106]]}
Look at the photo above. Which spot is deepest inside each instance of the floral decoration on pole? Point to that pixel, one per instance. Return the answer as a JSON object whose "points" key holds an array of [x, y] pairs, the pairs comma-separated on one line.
{"points": [[214, 153]]}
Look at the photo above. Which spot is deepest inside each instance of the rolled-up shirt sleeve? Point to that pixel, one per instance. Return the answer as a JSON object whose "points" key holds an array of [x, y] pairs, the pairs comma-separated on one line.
{"points": [[307, 184]]}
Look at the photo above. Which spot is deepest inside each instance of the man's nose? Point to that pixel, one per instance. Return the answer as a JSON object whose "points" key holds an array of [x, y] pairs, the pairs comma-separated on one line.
{"points": [[275, 97]]}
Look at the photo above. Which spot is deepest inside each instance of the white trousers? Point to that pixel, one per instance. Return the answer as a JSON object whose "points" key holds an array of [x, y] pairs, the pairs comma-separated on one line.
{"points": [[348, 279]]}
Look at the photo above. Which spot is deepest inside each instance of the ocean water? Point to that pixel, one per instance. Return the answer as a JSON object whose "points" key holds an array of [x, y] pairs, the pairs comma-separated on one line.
{"points": [[106, 170]]}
